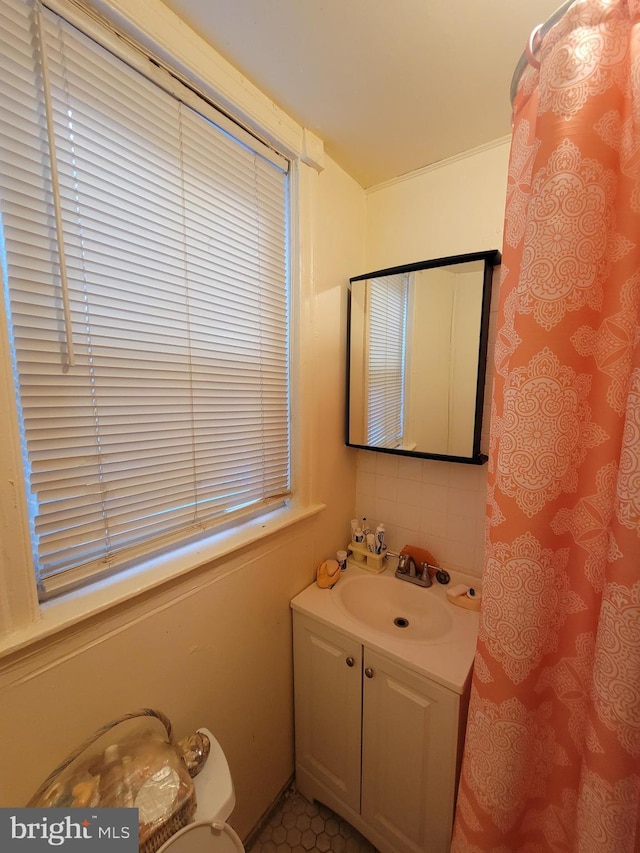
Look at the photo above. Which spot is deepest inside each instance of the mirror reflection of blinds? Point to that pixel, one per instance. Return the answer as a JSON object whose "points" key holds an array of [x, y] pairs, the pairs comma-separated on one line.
{"points": [[174, 415], [387, 323]]}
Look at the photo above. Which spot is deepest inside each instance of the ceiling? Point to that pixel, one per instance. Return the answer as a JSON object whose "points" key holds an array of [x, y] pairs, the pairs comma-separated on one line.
{"points": [[390, 86]]}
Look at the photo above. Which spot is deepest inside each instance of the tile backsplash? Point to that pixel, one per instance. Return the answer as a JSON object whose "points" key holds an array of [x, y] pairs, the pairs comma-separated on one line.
{"points": [[436, 505]]}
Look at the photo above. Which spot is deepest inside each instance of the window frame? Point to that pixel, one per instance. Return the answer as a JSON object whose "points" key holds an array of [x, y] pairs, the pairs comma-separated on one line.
{"points": [[22, 618]]}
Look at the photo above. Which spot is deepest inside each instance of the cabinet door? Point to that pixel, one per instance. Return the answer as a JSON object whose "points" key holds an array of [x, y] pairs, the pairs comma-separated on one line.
{"points": [[328, 707], [410, 730]]}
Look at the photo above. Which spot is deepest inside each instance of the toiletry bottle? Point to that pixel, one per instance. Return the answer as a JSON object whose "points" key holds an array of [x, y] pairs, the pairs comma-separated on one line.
{"points": [[358, 536], [341, 557], [380, 546]]}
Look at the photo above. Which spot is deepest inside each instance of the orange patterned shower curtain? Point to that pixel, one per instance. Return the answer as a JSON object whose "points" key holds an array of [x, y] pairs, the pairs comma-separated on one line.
{"points": [[552, 756]]}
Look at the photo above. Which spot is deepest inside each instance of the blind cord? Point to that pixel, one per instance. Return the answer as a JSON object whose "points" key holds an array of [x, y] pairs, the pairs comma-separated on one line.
{"points": [[55, 186]]}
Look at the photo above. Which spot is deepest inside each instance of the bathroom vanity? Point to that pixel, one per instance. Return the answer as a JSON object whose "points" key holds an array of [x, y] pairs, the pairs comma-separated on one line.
{"points": [[381, 676]]}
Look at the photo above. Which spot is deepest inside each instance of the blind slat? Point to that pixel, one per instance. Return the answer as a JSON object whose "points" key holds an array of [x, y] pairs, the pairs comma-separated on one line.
{"points": [[386, 318]]}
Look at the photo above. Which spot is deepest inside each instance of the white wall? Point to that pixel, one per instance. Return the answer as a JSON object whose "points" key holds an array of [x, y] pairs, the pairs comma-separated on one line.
{"points": [[447, 209], [453, 208]]}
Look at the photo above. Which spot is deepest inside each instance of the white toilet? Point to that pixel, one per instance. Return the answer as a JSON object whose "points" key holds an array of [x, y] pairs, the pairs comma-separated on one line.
{"points": [[209, 832]]}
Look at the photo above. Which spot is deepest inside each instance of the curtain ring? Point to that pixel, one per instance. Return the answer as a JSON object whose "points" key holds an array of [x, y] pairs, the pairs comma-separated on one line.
{"points": [[533, 45]]}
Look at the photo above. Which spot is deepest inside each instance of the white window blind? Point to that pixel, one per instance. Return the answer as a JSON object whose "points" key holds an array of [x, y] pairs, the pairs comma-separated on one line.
{"points": [[387, 320], [145, 267]]}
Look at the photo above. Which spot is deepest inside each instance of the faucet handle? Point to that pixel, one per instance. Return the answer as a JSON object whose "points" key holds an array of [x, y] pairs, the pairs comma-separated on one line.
{"points": [[403, 568], [424, 574], [442, 576]]}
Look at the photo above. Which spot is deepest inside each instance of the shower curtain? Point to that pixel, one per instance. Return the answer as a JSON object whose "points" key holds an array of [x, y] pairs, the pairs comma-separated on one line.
{"points": [[552, 754]]}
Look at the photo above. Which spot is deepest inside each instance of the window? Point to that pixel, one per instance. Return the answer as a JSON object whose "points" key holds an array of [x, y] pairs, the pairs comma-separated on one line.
{"points": [[387, 322], [144, 242]]}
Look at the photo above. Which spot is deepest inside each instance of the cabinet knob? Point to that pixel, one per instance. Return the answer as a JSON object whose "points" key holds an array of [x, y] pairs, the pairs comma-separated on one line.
{"points": [[368, 672], [350, 661]]}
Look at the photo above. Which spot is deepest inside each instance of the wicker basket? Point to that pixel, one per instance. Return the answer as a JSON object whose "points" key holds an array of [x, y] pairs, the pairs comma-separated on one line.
{"points": [[151, 754]]}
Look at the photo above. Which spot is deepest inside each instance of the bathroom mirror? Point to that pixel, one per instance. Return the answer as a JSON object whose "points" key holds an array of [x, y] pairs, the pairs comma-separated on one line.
{"points": [[417, 351]]}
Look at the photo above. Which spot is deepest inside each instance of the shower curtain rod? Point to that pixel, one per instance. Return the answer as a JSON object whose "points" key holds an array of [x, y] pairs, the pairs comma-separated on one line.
{"points": [[540, 32]]}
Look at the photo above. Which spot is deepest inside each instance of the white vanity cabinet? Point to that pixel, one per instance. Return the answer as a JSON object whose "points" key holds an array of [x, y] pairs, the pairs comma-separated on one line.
{"points": [[375, 741], [328, 710]]}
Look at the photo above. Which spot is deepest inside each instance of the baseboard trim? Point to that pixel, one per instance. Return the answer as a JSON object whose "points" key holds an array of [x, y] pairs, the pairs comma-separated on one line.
{"points": [[251, 839]]}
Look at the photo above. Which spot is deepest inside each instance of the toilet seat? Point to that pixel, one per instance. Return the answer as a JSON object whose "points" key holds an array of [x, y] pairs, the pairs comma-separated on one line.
{"points": [[204, 837]]}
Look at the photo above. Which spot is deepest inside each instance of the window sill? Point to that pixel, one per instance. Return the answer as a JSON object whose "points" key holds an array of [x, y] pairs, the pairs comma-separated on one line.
{"points": [[74, 607]]}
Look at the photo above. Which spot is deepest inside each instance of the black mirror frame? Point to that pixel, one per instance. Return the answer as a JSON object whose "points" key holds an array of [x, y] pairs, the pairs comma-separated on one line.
{"points": [[491, 258]]}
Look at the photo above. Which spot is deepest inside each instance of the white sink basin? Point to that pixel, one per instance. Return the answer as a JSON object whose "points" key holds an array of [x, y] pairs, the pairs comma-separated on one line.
{"points": [[397, 608], [439, 642]]}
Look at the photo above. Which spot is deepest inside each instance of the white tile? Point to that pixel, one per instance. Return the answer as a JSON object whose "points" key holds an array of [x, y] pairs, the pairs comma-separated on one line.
{"points": [[478, 561], [433, 497], [366, 483], [365, 506], [387, 464], [433, 521], [481, 530], [435, 544], [435, 472], [409, 468], [410, 492], [391, 537], [403, 536], [464, 503], [461, 555], [465, 477], [386, 487], [386, 512], [295, 819], [409, 515], [460, 529], [367, 460], [481, 514]]}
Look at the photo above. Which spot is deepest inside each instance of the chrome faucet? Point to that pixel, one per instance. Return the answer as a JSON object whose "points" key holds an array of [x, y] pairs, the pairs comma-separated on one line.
{"points": [[421, 574], [408, 571]]}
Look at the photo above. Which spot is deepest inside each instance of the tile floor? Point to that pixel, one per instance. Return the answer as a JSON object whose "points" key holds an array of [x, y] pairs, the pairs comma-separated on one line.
{"points": [[298, 826]]}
